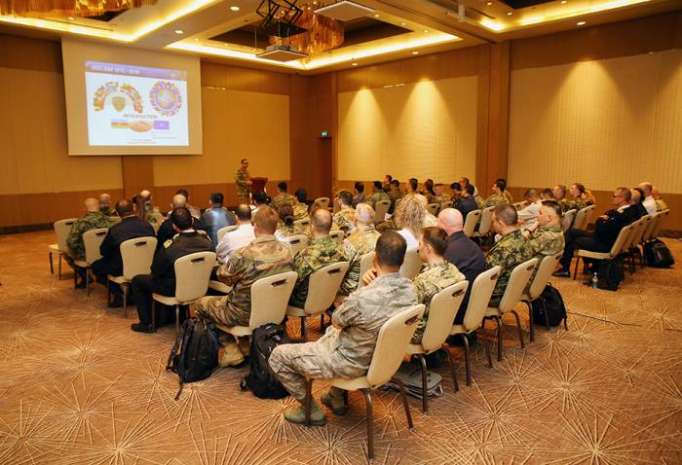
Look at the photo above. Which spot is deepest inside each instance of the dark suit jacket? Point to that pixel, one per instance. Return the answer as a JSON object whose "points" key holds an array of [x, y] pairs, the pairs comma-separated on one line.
{"points": [[167, 232], [163, 266], [129, 228], [606, 229], [466, 205], [468, 257]]}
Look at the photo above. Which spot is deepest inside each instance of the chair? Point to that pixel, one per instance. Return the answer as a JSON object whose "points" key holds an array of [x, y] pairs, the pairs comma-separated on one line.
{"points": [[269, 299], [486, 222], [472, 219], [297, 242], [534, 290], [337, 235], [92, 239], [192, 273], [61, 229], [518, 281], [380, 210], [323, 285], [612, 254], [481, 291], [394, 336], [412, 264], [582, 218], [433, 208], [302, 223], [322, 201], [657, 228], [442, 311], [445, 205], [648, 232], [137, 255], [366, 262], [224, 230], [632, 247], [567, 219]]}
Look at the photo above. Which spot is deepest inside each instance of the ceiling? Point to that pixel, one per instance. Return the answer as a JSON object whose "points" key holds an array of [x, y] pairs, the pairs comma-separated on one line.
{"points": [[227, 31]]}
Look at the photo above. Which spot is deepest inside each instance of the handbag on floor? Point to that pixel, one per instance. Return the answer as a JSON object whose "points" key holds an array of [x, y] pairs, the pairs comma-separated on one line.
{"points": [[549, 308], [411, 377], [657, 255]]}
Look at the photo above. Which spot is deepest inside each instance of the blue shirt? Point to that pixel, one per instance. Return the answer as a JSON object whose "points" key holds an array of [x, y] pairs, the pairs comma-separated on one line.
{"points": [[215, 218]]}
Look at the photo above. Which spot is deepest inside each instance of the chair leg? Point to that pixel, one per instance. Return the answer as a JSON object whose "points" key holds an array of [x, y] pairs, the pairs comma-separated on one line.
{"points": [[49, 256], [153, 315], [108, 293], [487, 353], [422, 362], [467, 363], [566, 322], [304, 335], [308, 404], [370, 423], [518, 326], [87, 282], [124, 290], [59, 267], [177, 320], [575, 270], [498, 320], [406, 406], [531, 323], [455, 384]]}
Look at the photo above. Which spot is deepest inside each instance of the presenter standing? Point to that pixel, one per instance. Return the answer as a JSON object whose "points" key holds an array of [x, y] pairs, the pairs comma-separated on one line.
{"points": [[243, 181]]}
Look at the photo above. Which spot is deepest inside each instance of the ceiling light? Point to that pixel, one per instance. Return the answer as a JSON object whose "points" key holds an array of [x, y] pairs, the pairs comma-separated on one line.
{"points": [[509, 13], [563, 2], [355, 64], [376, 15], [70, 18], [581, 23], [234, 8], [415, 52], [179, 31], [426, 30], [402, 24], [489, 3]]}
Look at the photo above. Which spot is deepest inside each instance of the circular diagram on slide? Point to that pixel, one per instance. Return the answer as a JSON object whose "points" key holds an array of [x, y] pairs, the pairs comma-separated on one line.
{"points": [[165, 98], [117, 96]]}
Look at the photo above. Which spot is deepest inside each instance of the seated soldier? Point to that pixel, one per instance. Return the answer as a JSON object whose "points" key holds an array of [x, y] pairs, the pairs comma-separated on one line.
{"points": [[322, 250], [361, 241], [263, 257], [287, 226], [547, 238], [378, 195], [359, 196], [343, 219], [282, 197], [511, 250], [345, 350], [105, 205], [301, 205], [498, 196]]}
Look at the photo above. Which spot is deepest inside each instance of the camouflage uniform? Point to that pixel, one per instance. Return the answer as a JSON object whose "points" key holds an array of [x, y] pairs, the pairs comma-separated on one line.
{"points": [[91, 220], [565, 205], [300, 211], [108, 211], [360, 242], [479, 201], [432, 280], [345, 352], [263, 257], [343, 219], [320, 252], [359, 198], [282, 199], [545, 241], [496, 199], [240, 178], [507, 195], [286, 231], [511, 250], [377, 197]]}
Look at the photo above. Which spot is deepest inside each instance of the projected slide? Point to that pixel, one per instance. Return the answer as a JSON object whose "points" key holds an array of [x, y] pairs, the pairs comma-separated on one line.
{"points": [[136, 105]]}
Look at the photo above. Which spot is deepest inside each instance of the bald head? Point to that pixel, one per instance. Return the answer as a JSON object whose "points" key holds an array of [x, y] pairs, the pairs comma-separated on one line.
{"points": [[647, 187], [321, 221], [179, 201], [124, 208], [364, 214], [450, 220], [92, 204], [145, 194], [104, 200]]}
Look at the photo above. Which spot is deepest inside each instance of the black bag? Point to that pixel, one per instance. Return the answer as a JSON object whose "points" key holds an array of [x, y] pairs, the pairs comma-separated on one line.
{"points": [[194, 355], [610, 274], [549, 308], [261, 380], [657, 255]]}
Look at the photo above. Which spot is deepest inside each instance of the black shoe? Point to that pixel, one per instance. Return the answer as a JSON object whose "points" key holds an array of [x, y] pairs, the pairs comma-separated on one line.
{"points": [[141, 328], [562, 274], [116, 302]]}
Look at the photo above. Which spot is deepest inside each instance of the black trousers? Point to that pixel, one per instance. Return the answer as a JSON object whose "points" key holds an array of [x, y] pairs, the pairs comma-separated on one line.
{"points": [[577, 239], [143, 286]]}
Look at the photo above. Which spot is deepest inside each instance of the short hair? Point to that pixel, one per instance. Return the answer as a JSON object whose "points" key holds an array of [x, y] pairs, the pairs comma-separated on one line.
{"points": [[506, 214], [243, 160], [390, 178], [547, 193], [646, 186], [364, 213], [436, 238], [625, 192], [260, 197], [466, 180], [414, 184], [181, 218], [641, 194], [360, 187], [301, 195], [455, 186], [562, 188], [266, 219], [580, 187], [286, 214], [346, 197], [553, 205], [217, 197], [184, 192], [501, 184], [530, 193], [470, 189], [282, 186], [243, 212], [124, 208], [377, 184], [390, 249], [321, 220], [395, 182]]}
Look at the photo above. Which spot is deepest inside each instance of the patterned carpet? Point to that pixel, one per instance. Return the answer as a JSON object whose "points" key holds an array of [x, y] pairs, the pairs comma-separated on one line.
{"points": [[78, 387]]}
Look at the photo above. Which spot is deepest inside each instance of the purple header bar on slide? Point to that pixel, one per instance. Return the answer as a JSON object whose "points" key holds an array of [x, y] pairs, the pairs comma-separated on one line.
{"points": [[139, 71]]}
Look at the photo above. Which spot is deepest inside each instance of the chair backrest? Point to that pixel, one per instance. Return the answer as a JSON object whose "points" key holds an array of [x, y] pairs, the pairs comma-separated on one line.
{"points": [[412, 264], [582, 218], [433, 208], [472, 219], [137, 255], [322, 201], [337, 235], [365, 264], [269, 298], [659, 222], [651, 225], [224, 230], [380, 210], [546, 267], [192, 273], [621, 240], [92, 239], [297, 242], [323, 285], [639, 233], [394, 336], [486, 221], [518, 281], [567, 219], [481, 291], [445, 205], [442, 310], [627, 243], [303, 222], [62, 229]]}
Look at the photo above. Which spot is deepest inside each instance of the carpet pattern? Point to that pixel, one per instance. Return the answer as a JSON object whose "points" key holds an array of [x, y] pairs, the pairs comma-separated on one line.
{"points": [[77, 386]]}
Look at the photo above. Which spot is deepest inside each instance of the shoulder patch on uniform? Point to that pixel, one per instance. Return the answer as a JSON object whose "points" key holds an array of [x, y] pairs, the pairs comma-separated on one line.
{"points": [[167, 243]]}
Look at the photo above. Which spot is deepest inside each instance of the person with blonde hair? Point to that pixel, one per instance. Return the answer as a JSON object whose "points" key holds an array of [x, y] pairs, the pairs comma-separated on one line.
{"points": [[409, 218]]}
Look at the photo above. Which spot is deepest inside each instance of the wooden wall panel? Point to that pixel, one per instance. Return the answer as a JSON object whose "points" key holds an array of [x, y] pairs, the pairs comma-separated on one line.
{"points": [[138, 174]]}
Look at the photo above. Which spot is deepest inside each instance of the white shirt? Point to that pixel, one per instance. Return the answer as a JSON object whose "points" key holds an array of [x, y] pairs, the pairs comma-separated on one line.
{"points": [[650, 205], [234, 240], [530, 213], [412, 242]]}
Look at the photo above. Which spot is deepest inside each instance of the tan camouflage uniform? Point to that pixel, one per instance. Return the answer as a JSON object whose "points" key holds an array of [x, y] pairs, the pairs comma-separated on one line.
{"points": [[240, 179], [496, 199], [282, 199], [345, 352], [361, 241], [300, 211], [343, 219], [546, 241], [319, 252], [377, 197], [91, 220], [511, 250]]}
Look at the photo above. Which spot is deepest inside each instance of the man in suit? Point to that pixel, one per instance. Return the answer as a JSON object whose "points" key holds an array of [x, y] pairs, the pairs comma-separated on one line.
{"points": [[162, 279], [111, 263], [166, 230], [465, 202]]}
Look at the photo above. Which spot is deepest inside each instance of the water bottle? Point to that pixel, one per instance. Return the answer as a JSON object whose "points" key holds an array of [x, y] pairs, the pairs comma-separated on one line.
{"points": [[595, 281]]}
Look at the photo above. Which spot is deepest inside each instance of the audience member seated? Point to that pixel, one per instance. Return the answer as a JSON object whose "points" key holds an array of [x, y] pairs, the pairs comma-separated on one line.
{"points": [[636, 201], [499, 196], [162, 278], [394, 194], [263, 257], [409, 219], [260, 199], [511, 250], [660, 203], [194, 211], [111, 263], [301, 205], [605, 232], [547, 237], [216, 217], [343, 219], [529, 214], [321, 251], [546, 194], [287, 226], [345, 350], [465, 182], [378, 195], [166, 231], [361, 241], [282, 197], [465, 202], [461, 251], [240, 237], [648, 201], [559, 195], [413, 186], [93, 219], [386, 185], [441, 194], [580, 197], [359, 196], [429, 192], [105, 205]]}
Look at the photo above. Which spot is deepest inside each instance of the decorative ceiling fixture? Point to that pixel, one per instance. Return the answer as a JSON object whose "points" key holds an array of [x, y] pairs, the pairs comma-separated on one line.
{"points": [[321, 34], [280, 17], [66, 8]]}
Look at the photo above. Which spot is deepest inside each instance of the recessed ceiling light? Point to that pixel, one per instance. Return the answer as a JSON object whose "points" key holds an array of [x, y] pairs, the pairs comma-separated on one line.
{"points": [[234, 8], [581, 23], [355, 64], [402, 24], [426, 30], [179, 31], [509, 13], [376, 15], [563, 2], [415, 52], [489, 3], [70, 18]]}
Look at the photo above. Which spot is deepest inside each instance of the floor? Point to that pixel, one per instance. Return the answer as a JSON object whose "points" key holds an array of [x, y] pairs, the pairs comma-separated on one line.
{"points": [[78, 387]]}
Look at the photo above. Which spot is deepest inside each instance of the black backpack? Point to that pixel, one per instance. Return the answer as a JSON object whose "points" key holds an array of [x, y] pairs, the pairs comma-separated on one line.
{"points": [[194, 355], [549, 308], [610, 274], [261, 380], [657, 255]]}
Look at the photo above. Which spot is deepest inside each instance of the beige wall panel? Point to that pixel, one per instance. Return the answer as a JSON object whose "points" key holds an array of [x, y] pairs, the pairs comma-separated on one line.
{"points": [[34, 155], [604, 123], [237, 124], [423, 130]]}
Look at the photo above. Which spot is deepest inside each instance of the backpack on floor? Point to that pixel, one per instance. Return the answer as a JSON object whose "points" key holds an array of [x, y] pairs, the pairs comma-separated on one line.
{"points": [[194, 355], [411, 376], [261, 380], [610, 274], [657, 255], [549, 308]]}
